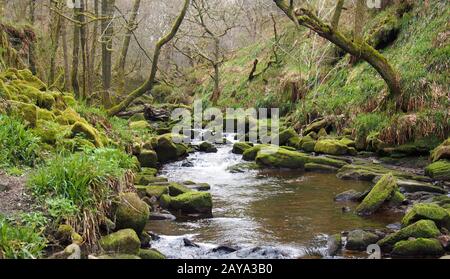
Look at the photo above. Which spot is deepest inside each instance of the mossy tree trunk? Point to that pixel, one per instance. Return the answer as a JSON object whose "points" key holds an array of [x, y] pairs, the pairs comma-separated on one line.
{"points": [[31, 49], [147, 86], [108, 32], [76, 53], [307, 18], [54, 37], [337, 14]]}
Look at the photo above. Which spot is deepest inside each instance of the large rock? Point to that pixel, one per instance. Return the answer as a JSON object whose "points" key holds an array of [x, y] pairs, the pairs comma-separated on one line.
{"points": [[251, 153], [176, 189], [417, 248], [308, 144], [189, 203], [150, 254], [411, 186], [335, 147], [422, 228], [89, 132], [240, 147], [286, 135], [381, 192], [167, 149], [123, 242], [350, 195], [427, 211], [281, 158], [359, 240], [152, 191], [439, 170], [441, 152], [131, 212], [207, 147], [148, 159], [316, 126]]}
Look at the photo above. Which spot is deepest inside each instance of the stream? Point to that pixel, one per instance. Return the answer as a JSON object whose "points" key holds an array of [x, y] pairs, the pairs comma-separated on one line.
{"points": [[272, 214]]}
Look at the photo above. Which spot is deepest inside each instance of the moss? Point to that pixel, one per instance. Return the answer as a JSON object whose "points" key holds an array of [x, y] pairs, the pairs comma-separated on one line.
{"points": [[207, 147], [441, 152], [69, 117], [332, 147], [439, 170], [427, 211], [69, 100], [240, 147], [49, 132], [124, 241], [43, 114], [26, 75], [147, 179], [281, 158], [191, 202], [176, 189], [88, 131], [286, 135], [418, 247], [251, 153], [295, 142], [151, 254], [327, 161], [77, 144], [309, 146], [166, 149], [140, 125], [28, 112], [153, 191], [118, 257], [422, 228], [316, 126], [137, 117], [148, 159], [131, 212], [380, 193]]}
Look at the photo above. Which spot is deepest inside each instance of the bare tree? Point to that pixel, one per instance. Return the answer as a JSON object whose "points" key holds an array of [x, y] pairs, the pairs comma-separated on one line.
{"points": [[107, 40]]}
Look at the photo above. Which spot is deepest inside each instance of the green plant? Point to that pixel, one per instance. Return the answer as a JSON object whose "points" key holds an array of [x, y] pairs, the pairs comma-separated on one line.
{"points": [[18, 146], [19, 240], [82, 183]]}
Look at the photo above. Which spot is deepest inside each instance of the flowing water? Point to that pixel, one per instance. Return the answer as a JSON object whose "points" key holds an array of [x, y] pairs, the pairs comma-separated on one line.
{"points": [[262, 214]]}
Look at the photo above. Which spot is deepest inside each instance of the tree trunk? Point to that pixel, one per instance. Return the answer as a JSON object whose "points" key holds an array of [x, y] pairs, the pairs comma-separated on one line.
{"points": [[84, 51], [31, 49], [337, 14], [363, 51], [55, 34], [126, 44], [93, 51], [216, 93], [75, 54], [66, 58], [107, 31], [148, 85]]}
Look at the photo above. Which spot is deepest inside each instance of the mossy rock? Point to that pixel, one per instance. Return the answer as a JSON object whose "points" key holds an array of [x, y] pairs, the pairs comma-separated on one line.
{"points": [[137, 117], [131, 212], [309, 146], [151, 254], [359, 240], [123, 241], [243, 167], [153, 190], [251, 153], [49, 132], [140, 125], [89, 132], [207, 147], [148, 171], [167, 150], [295, 142], [43, 114], [176, 189], [427, 211], [66, 235], [281, 158], [381, 192], [420, 247], [142, 179], [189, 203], [286, 135], [27, 112], [118, 257], [439, 170], [148, 159], [332, 147], [441, 152], [316, 126], [31, 79], [241, 147], [420, 229], [411, 186], [69, 117]]}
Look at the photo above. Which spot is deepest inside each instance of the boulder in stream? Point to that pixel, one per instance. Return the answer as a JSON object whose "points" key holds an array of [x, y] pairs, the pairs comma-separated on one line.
{"points": [[427, 211], [189, 203], [418, 247], [123, 242], [207, 147], [359, 240], [241, 147], [439, 170], [131, 213], [383, 191]]}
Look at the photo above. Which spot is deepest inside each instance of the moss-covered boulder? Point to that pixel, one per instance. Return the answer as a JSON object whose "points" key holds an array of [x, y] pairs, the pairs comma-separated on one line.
{"points": [[295, 142], [281, 158], [207, 147], [420, 247], [241, 147], [152, 191], [148, 158], [427, 211], [87, 131], [176, 189], [142, 179], [420, 229], [140, 125], [286, 135], [308, 144], [189, 203], [333, 147], [439, 170], [381, 192], [124, 242], [131, 212], [316, 126], [251, 153], [27, 112], [359, 240], [151, 254], [167, 149], [441, 152]]}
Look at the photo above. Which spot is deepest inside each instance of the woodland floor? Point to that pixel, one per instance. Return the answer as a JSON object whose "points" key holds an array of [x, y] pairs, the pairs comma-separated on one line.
{"points": [[13, 196]]}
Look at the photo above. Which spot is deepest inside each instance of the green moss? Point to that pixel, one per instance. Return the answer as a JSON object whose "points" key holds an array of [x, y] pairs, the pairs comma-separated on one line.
{"points": [[439, 170], [69, 117], [418, 247], [80, 128], [332, 147], [148, 159], [286, 135], [381, 192], [191, 202], [166, 149], [43, 114], [26, 75], [425, 211], [281, 158], [28, 112], [147, 179], [420, 229], [150, 254], [441, 152], [176, 189], [251, 153], [124, 241], [153, 191], [119, 257], [240, 147], [207, 147], [131, 212], [140, 125]]}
